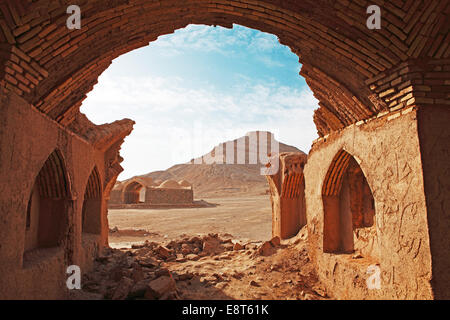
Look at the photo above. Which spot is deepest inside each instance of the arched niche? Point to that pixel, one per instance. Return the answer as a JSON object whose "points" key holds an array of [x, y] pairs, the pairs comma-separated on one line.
{"points": [[133, 193], [92, 204], [348, 203], [48, 205]]}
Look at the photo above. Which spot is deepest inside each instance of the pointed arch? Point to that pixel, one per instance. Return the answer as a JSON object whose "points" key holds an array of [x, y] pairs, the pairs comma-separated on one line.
{"points": [[48, 205], [132, 192], [348, 203], [92, 204]]}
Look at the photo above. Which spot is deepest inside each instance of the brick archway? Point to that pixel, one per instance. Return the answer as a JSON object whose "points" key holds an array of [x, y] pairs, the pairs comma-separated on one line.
{"points": [[54, 68], [383, 92], [132, 192]]}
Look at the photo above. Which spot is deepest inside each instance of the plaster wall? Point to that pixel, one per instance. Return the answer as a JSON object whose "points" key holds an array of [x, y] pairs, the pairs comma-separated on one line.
{"points": [[27, 138], [387, 150]]}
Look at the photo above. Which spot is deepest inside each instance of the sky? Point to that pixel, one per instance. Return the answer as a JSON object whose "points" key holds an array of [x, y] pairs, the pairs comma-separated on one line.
{"points": [[198, 87]]}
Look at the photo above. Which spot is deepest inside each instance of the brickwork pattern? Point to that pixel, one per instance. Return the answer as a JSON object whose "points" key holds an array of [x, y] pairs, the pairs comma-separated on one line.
{"points": [[355, 73]]}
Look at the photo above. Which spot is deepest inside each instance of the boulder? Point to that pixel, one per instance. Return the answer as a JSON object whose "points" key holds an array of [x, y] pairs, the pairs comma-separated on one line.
{"points": [[186, 249], [137, 273], [163, 252], [185, 276], [212, 245], [192, 257], [163, 272], [138, 290], [275, 241], [228, 246], [180, 258], [266, 249], [253, 283], [148, 262], [116, 273], [123, 289], [159, 287]]}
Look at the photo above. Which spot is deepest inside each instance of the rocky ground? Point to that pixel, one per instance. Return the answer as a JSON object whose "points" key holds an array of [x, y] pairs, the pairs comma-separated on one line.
{"points": [[205, 267]]}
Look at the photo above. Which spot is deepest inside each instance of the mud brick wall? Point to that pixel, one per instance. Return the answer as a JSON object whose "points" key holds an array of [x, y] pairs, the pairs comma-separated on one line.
{"points": [[387, 150], [169, 196], [42, 274]]}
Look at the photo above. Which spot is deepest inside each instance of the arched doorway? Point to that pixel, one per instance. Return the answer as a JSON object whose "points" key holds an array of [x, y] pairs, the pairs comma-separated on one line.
{"points": [[47, 211], [134, 193], [348, 203]]}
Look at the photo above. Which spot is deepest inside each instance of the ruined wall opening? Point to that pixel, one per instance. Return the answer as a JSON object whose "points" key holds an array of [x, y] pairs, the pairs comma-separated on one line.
{"points": [[348, 204], [47, 210], [134, 193], [293, 213], [288, 196], [92, 205]]}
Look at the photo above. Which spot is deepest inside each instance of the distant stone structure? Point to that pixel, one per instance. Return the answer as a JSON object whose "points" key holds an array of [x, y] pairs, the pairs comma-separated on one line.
{"points": [[144, 193]]}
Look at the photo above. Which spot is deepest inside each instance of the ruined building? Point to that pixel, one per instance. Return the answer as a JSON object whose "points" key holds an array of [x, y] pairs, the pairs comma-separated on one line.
{"points": [[145, 193], [376, 183]]}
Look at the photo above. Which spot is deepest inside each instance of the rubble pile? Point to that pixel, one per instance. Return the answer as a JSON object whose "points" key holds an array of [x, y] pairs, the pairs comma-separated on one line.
{"points": [[189, 268]]}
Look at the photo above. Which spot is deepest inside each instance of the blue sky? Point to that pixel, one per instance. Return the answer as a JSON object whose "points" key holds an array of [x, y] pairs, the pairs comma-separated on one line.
{"points": [[200, 86]]}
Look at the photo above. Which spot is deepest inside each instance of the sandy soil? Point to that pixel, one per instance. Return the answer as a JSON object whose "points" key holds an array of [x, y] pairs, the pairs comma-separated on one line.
{"points": [[246, 218]]}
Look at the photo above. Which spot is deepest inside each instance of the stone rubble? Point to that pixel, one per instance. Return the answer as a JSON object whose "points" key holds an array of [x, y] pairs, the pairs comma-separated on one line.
{"points": [[145, 271]]}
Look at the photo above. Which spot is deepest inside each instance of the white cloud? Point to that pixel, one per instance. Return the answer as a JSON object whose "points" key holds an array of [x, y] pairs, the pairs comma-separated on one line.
{"points": [[218, 40], [177, 122]]}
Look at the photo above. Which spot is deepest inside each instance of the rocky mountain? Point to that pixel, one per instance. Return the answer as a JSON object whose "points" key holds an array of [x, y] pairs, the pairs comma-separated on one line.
{"points": [[219, 174]]}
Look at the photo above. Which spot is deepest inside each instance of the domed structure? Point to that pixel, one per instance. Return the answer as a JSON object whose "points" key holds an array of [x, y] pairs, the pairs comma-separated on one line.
{"points": [[118, 185], [157, 182], [169, 184], [184, 184], [148, 181]]}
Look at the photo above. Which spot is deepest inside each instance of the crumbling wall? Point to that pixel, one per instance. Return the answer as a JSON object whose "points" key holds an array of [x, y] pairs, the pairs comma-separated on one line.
{"points": [[27, 138], [387, 150], [287, 195]]}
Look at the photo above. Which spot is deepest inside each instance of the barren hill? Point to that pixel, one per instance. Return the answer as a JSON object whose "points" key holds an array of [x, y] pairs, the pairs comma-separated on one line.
{"points": [[217, 180]]}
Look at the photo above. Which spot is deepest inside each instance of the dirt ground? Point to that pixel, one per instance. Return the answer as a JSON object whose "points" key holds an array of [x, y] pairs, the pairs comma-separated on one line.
{"points": [[212, 267], [246, 218], [223, 252]]}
